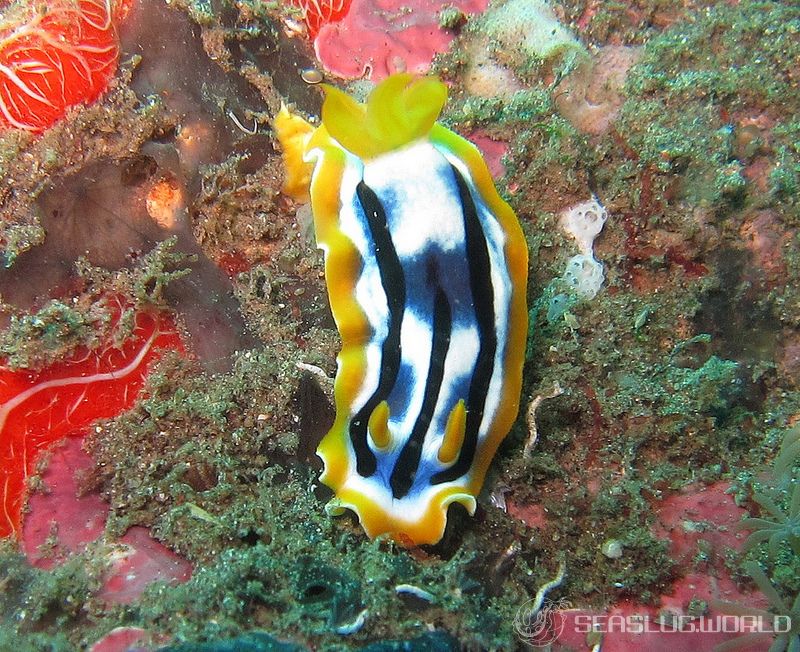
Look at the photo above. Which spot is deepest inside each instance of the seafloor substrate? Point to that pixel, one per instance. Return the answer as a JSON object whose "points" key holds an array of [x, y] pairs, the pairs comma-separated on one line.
{"points": [[682, 371]]}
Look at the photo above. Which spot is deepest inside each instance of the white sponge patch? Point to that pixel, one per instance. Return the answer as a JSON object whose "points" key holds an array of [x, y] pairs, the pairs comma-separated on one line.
{"points": [[584, 223], [584, 274]]}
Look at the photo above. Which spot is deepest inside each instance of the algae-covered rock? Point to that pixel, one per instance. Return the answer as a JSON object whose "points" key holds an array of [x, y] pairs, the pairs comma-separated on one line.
{"points": [[250, 642], [530, 27]]}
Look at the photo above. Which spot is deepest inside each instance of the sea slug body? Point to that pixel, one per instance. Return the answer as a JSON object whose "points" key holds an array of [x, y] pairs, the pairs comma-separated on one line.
{"points": [[426, 268]]}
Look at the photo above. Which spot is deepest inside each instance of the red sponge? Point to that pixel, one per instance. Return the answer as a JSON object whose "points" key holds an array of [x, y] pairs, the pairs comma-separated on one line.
{"points": [[54, 58]]}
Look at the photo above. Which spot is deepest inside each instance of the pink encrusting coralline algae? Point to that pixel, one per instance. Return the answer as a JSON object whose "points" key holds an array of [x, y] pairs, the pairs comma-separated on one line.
{"points": [[380, 37]]}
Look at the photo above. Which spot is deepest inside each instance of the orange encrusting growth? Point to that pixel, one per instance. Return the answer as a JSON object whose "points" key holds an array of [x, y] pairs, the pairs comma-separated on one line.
{"points": [[317, 13], [40, 408], [53, 56]]}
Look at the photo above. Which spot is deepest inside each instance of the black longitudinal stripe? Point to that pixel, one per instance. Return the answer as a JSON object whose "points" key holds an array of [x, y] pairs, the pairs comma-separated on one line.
{"points": [[405, 468], [480, 283], [394, 286]]}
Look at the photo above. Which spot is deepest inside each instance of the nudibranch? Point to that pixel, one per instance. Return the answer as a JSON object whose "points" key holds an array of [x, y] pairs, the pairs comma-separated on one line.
{"points": [[426, 268]]}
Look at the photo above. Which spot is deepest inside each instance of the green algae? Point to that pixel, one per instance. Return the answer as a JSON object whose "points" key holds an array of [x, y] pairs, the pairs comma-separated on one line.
{"points": [[218, 485], [451, 17], [271, 556], [57, 330], [35, 340], [18, 238], [525, 106], [784, 178], [39, 608], [696, 76]]}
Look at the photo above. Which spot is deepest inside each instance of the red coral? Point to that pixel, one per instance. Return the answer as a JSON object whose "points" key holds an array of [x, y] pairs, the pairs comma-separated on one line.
{"points": [[54, 56], [317, 13], [40, 408]]}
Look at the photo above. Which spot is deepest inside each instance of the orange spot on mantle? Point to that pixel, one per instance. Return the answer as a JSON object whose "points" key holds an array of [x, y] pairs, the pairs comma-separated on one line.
{"points": [[38, 408]]}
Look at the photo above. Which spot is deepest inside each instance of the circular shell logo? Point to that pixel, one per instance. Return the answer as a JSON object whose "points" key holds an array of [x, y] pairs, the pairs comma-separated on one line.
{"points": [[540, 623]]}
